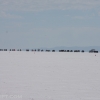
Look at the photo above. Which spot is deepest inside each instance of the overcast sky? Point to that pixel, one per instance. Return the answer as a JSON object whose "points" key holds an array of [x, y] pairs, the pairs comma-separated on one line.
{"points": [[49, 23]]}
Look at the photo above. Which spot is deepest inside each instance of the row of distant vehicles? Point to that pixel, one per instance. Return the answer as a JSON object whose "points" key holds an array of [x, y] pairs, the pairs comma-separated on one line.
{"points": [[90, 51]]}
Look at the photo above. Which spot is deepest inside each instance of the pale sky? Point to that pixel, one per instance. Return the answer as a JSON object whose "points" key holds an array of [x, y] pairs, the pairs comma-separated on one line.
{"points": [[49, 23]]}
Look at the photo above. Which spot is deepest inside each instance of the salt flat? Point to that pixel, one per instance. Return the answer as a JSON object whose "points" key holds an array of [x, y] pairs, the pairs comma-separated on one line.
{"points": [[49, 76]]}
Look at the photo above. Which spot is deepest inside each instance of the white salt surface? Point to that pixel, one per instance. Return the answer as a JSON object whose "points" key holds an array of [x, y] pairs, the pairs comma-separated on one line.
{"points": [[49, 76]]}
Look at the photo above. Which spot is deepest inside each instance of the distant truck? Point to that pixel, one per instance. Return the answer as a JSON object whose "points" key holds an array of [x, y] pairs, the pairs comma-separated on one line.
{"points": [[62, 51], [93, 51], [76, 50]]}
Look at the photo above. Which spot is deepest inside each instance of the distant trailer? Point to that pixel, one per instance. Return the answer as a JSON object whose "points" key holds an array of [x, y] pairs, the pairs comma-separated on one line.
{"points": [[61, 50], [5, 49], [47, 50], [13, 49], [27, 49], [1, 49], [91, 51], [76, 50]]}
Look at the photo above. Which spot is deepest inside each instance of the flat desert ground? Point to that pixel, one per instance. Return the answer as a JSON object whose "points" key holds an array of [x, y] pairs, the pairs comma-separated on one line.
{"points": [[49, 76]]}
